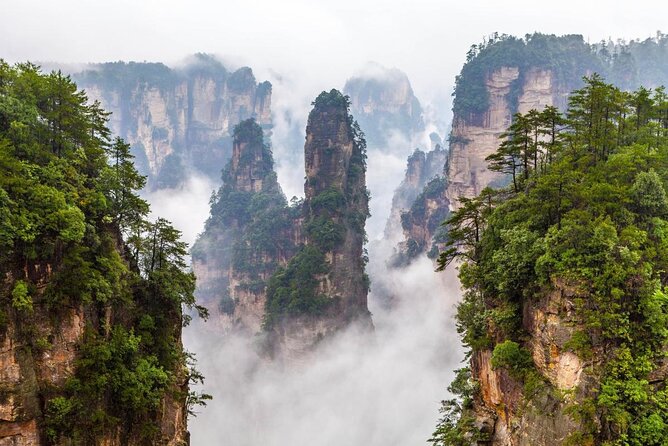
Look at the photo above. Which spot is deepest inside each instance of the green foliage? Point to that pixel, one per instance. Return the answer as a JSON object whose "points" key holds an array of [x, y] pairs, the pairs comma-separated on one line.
{"points": [[648, 195], [194, 398], [248, 131], [528, 146], [434, 190], [58, 414], [515, 264], [294, 290], [21, 300], [333, 98], [456, 426], [568, 56], [325, 233], [580, 343], [586, 214], [248, 228], [226, 304], [114, 380], [330, 201], [512, 357], [74, 234], [627, 64]]}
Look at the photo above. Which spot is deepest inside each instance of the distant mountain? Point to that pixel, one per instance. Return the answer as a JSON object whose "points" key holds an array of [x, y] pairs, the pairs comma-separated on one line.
{"points": [[383, 102], [178, 120]]}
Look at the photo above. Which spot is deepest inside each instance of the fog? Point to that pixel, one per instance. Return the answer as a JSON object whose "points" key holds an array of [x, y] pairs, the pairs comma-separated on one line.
{"points": [[356, 389], [327, 41], [186, 207]]}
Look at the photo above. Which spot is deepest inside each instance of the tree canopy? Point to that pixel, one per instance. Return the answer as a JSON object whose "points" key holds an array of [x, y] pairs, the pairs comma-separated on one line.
{"points": [[69, 202], [587, 208]]}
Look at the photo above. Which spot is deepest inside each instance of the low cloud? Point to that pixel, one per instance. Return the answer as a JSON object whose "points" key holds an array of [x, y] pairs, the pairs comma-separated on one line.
{"points": [[187, 207], [358, 389]]}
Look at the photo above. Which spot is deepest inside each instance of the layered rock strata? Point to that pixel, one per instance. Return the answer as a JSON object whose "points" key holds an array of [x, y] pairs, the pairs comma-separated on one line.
{"points": [[180, 120]]}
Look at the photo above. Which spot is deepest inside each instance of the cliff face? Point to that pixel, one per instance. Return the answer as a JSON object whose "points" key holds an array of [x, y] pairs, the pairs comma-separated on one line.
{"points": [[420, 169], [90, 328], [476, 136], [332, 258], [177, 119], [24, 374], [554, 347], [383, 103], [505, 411], [506, 75], [422, 223], [294, 272], [483, 111], [335, 165], [249, 234], [29, 376]]}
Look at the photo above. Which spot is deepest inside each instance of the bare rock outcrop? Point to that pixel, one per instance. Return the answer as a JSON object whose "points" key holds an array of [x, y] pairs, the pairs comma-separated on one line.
{"points": [[421, 168], [177, 120], [385, 106]]}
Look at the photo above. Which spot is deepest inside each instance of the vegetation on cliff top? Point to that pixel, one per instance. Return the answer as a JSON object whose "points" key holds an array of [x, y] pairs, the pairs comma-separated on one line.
{"points": [[328, 215], [569, 57], [74, 234], [588, 208], [248, 229]]}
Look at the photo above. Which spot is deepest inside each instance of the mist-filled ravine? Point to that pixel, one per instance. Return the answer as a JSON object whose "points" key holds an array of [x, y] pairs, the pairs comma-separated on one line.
{"points": [[353, 389], [333, 223], [358, 386]]}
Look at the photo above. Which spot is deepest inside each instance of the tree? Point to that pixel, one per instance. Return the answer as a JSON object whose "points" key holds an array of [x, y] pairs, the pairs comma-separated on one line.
{"points": [[121, 181], [465, 228], [648, 195], [67, 198], [506, 160], [595, 117], [553, 122], [164, 266]]}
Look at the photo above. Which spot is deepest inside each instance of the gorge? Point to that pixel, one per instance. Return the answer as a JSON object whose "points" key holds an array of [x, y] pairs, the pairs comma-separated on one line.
{"points": [[327, 323]]}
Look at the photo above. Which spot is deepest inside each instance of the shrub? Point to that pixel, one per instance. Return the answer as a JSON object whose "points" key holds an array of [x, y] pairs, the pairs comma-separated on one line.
{"points": [[21, 300], [512, 357]]}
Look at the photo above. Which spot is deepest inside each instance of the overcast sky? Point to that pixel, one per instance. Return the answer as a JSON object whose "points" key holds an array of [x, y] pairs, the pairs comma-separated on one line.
{"points": [[326, 40]]}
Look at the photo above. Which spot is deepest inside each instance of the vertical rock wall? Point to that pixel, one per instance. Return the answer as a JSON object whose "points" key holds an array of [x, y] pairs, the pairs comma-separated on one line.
{"points": [[476, 137], [177, 120]]}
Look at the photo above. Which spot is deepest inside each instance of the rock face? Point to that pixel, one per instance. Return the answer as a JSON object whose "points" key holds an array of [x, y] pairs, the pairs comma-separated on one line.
{"points": [[476, 136], [324, 287], [500, 78], [506, 75], [335, 166], [420, 169], [489, 90], [30, 375], [422, 223], [295, 273], [249, 234], [383, 102], [177, 120], [502, 406], [419, 207]]}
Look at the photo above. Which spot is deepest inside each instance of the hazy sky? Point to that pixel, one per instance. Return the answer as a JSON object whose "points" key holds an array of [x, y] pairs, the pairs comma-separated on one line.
{"points": [[328, 39]]}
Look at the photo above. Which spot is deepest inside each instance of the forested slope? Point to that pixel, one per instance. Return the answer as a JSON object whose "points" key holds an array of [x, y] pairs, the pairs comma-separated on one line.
{"points": [[565, 310], [92, 291]]}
